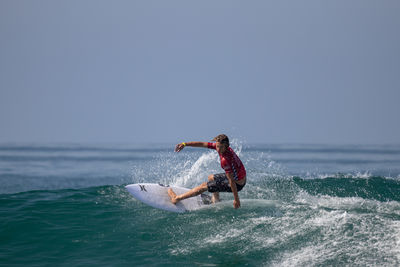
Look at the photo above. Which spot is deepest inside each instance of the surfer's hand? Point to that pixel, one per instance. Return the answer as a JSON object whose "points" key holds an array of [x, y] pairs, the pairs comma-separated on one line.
{"points": [[236, 204], [179, 147]]}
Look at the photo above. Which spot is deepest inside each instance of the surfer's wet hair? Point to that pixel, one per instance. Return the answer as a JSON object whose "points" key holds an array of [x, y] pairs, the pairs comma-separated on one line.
{"points": [[222, 138]]}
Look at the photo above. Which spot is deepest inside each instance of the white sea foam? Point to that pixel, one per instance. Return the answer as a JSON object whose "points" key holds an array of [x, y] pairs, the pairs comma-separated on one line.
{"points": [[196, 173], [310, 231], [347, 230]]}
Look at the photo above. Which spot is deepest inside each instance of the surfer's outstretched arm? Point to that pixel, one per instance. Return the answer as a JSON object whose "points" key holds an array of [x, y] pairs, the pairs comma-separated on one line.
{"points": [[180, 146]]}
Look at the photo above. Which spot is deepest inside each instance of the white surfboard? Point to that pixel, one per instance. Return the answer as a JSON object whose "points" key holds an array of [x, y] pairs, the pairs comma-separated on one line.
{"points": [[156, 195]]}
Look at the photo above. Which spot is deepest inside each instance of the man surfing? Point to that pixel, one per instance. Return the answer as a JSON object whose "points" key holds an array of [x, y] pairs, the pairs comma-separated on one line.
{"points": [[233, 180]]}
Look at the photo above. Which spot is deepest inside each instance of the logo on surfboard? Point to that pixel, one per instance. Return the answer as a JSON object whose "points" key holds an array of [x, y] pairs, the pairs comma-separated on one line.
{"points": [[142, 188]]}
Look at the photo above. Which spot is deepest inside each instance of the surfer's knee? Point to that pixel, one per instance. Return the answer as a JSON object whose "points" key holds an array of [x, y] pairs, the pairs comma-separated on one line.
{"points": [[211, 177]]}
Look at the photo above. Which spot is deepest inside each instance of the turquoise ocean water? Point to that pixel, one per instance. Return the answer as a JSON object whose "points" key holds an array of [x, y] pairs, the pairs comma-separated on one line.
{"points": [[303, 205]]}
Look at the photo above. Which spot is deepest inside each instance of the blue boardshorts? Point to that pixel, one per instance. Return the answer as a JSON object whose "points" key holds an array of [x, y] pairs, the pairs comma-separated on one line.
{"points": [[221, 184]]}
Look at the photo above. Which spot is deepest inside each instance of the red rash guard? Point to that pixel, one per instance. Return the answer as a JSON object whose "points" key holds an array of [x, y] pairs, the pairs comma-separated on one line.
{"points": [[231, 163]]}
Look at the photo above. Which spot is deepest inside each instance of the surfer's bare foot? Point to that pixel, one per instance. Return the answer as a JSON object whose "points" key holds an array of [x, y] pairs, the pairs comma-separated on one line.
{"points": [[172, 195]]}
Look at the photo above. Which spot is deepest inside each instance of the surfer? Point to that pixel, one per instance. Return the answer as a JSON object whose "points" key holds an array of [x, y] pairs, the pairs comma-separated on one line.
{"points": [[233, 180]]}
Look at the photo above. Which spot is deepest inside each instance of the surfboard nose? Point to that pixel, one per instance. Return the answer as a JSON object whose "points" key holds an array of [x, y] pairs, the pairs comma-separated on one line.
{"points": [[131, 187]]}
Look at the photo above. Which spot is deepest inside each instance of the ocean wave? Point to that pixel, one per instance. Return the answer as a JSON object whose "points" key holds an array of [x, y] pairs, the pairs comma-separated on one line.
{"points": [[371, 187], [327, 149], [306, 230]]}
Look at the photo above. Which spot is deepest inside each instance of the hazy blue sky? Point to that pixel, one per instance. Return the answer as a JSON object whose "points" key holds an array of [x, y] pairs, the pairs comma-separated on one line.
{"points": [[166, 71]]}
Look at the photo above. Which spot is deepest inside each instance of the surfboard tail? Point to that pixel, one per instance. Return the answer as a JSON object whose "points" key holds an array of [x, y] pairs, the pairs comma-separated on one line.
{"points": [[206, 199]]}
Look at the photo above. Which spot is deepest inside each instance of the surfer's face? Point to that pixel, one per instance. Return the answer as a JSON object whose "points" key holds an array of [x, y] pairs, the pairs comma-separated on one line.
{"points": [[221, 148]]}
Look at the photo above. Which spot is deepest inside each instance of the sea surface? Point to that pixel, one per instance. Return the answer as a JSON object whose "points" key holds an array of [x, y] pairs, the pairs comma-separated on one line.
{"points": [[303, 205]]}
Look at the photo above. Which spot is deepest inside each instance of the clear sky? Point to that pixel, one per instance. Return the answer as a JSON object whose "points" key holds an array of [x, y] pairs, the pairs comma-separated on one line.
{"points": [[168, 71]]}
